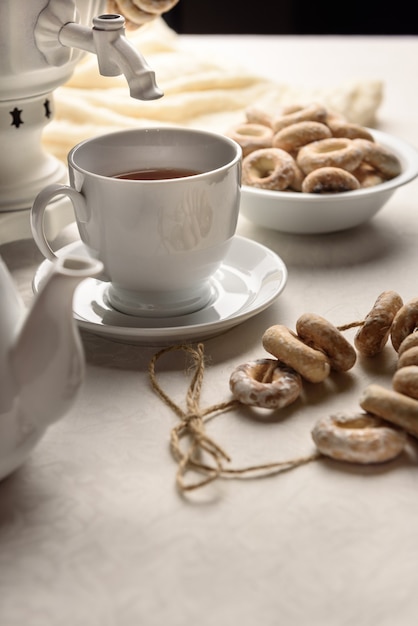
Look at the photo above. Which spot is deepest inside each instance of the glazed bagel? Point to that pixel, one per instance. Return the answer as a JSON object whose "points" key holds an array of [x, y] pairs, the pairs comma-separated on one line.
{"points": [[251, 137], [254, 115], [340, 128], [266, 383], [310, 113], [367, 176], [297, 182], [373, 335], [404, 323], [359, 438], [408, 357], [311, 364], [397, 408], [292, 138], [329, 180], [268, 168], [405, 381], [383, 160], [332, 152], [317, 332], [410, 341]]}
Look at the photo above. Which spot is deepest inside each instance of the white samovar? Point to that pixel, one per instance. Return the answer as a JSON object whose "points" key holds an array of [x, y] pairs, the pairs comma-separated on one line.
{"points": [[40, 44]]}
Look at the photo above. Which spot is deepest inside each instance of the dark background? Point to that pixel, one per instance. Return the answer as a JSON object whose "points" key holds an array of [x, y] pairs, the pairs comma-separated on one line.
{"points": [[292, 17]]}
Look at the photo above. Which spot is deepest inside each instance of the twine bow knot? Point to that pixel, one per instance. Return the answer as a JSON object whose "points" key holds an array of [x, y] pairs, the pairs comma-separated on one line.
{"points": [[203, 455], [192, 423]]}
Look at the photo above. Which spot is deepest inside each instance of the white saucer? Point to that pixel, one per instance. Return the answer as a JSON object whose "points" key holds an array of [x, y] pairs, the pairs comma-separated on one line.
{"points": [[249, 280]]}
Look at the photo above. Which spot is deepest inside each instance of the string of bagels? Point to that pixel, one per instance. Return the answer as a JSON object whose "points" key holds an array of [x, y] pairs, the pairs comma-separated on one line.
{"points": [[310, 149], [377, 432]]}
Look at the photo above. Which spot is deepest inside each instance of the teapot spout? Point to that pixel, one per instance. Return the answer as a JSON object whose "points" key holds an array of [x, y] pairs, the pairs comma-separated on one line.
{"points": [[47, 358]]}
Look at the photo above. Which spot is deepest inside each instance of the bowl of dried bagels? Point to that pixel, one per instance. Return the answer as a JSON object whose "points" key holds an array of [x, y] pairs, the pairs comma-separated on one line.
{"points": [[310, 171]]}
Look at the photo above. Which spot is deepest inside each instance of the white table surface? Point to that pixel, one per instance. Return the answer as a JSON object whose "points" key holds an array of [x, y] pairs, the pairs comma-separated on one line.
{"points": [[93, 531]]}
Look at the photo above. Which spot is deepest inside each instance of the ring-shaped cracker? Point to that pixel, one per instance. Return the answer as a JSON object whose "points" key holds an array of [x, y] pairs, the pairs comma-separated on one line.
{"points": [[266, 383], [373, 335], [311, 364], [332, 152], [329, 180], [251, 137], [359, 438], [404, 323], [367, 175], [408, 357], [405, 381], [254, 115], [313, 112], [268, 168], [292, 138], [320, 334], [410, 341], [381, 158], [341, 128]]}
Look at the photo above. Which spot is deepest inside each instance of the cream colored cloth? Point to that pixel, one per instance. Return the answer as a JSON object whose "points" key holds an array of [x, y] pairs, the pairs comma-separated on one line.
{"points": [[199, 92]]}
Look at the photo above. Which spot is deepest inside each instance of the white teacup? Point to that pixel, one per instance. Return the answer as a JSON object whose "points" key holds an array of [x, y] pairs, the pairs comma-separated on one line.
{"points": [[160, 240]]}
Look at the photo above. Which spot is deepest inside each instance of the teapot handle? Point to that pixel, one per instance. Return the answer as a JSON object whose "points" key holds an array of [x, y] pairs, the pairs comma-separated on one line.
{"points": [[39, 207]]}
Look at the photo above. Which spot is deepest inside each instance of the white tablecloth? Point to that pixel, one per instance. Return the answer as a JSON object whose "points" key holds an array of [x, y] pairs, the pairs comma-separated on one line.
{"points": [[93, 531]]}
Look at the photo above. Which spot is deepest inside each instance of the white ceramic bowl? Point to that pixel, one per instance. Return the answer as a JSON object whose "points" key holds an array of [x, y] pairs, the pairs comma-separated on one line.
{"points": [[304, 213]]}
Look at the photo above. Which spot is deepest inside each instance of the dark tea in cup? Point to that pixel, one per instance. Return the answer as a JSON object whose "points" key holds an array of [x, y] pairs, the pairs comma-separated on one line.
{"points": [[157, 173]]}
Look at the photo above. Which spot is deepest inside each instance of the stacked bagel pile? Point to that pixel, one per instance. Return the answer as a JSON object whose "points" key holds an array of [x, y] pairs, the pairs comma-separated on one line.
{"points": [[316, 348], [399, 404], [139, 12], [309, 149]]}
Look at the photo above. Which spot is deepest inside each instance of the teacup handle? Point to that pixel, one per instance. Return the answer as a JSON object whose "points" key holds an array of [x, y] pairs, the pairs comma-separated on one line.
{"points": [[39, 206]]}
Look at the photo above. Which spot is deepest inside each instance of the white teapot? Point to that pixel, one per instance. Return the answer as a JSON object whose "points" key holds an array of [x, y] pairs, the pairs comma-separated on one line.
{"points": [[41, 357]]}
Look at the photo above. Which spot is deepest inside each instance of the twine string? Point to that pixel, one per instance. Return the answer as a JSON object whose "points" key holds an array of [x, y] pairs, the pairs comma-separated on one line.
{"points": [[192, 423], [192, 426], [350, 325]]}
